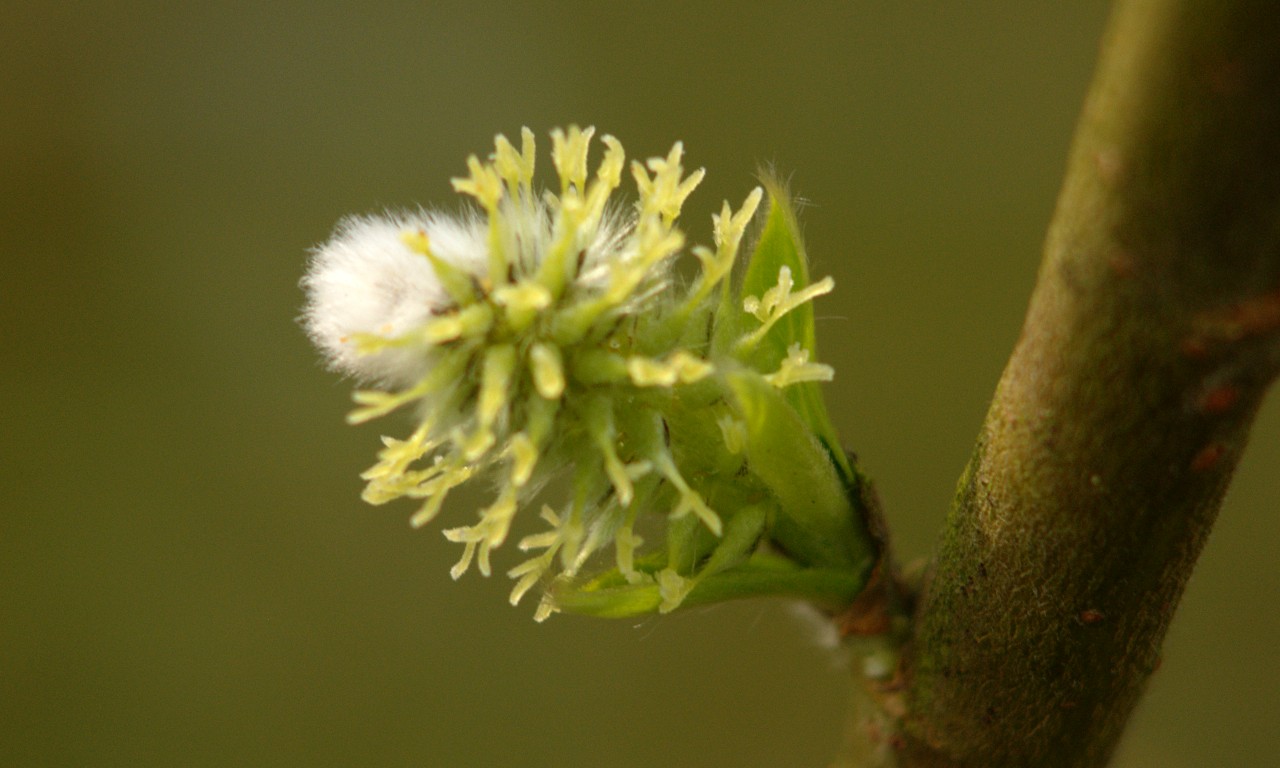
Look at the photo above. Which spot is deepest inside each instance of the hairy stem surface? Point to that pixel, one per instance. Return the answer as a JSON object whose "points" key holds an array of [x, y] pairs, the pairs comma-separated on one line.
{"points": [[1150, 339]]}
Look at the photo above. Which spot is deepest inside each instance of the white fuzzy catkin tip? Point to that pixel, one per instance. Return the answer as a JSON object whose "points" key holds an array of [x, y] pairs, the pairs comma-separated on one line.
{"points": [[367, 280]]}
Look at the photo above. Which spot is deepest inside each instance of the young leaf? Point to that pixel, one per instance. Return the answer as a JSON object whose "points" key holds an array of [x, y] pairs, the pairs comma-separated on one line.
{"points": [[781, 246], [762, 575], [817, 523]]}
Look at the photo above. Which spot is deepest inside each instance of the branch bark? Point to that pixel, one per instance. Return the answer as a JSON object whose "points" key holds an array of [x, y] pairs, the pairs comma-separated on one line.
{"points": [[1151, 337]]}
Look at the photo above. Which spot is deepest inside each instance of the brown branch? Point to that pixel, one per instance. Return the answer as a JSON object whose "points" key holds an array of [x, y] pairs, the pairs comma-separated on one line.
{"points": [[1151, 337]]}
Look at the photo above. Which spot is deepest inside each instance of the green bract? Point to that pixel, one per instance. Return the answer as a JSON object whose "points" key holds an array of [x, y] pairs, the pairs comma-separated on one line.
{"points": [[545, 336]]}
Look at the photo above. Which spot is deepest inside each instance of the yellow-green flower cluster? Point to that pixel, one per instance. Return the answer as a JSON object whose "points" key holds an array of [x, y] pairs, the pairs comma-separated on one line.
{"points": [[544, 335]]}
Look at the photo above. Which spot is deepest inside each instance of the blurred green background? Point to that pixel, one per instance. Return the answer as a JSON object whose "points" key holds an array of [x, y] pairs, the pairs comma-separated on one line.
{"points": [[187, 574]]}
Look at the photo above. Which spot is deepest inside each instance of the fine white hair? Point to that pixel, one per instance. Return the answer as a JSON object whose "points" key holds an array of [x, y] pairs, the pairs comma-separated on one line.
{"points": [[367, 280]]}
